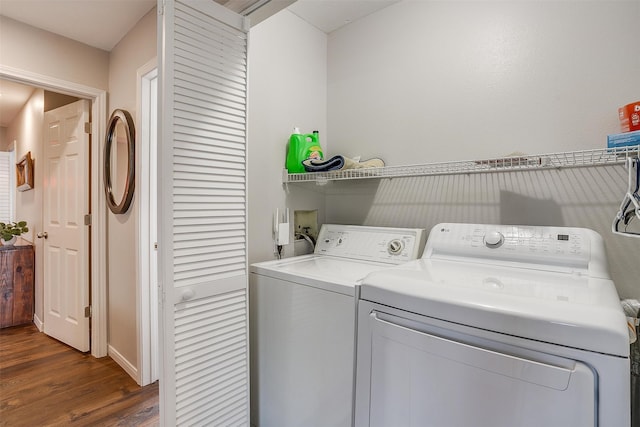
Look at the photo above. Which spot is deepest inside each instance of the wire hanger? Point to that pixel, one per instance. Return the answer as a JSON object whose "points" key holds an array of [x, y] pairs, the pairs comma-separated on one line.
{"points": [[630, 206]]}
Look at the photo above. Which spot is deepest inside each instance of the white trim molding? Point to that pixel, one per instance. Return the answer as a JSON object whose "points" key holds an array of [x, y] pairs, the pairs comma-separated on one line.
{"points": [[146, 292], [123, 362], [39, 323]]}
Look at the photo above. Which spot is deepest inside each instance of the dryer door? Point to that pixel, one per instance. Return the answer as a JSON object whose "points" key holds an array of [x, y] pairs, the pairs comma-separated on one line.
{"points": [[420, 379]]}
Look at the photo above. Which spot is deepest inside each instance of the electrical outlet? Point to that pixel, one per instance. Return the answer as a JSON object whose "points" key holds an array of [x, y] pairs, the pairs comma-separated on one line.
{"points": [[281, 227], [306, 222]]}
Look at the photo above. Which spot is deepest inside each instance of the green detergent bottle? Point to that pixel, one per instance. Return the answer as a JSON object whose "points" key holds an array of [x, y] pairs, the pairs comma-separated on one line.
{"points": [[302, 147]]}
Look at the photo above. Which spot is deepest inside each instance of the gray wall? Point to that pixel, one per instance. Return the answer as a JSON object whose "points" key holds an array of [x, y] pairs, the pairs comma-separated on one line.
{"points": [[4, 142], [287, 88], [31, 49], [442, 81], [581, 197], [133, 51], [421, 82]]}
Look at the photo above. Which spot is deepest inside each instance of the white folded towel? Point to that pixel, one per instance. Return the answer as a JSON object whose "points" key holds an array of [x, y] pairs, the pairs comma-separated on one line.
{"points": [[631, 308]]}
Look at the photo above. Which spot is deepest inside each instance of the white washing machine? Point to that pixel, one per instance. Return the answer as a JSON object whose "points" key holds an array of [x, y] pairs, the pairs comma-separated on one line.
{"points": [[495, 326], [302, 324]]}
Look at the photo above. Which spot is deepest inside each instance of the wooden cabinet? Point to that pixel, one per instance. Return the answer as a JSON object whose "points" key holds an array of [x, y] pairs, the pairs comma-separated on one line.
{"points": [[16, 284]]}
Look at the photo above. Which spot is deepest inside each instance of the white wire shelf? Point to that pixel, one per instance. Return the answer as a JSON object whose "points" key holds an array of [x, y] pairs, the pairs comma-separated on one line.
{"points": [[568, 159]]}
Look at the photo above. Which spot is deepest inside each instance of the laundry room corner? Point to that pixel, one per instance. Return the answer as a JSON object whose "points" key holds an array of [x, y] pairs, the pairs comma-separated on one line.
{"points": [[501, 85], [287, 88]]}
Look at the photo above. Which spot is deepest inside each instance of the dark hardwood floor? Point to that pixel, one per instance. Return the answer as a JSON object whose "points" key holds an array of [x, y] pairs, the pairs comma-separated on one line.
{"points": [[46, 383]]}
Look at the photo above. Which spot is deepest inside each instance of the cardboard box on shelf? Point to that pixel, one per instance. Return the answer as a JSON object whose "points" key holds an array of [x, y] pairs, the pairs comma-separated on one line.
{"points": [[629, 116]]}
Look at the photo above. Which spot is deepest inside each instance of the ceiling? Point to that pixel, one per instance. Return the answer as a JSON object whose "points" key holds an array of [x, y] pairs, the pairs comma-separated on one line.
{"points": [[330, 15], [98, 23], [102, 23]]}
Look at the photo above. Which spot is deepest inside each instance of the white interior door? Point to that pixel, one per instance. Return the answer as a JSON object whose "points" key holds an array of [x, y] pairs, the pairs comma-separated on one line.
{"points": [[66, 201], [202, 225]]}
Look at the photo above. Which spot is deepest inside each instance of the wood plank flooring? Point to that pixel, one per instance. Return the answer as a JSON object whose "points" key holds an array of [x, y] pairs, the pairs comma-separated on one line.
{"points": [[46, 383]]}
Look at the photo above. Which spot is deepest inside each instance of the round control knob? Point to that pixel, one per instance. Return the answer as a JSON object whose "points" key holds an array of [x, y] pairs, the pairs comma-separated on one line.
{"points": [[395, 246], [493, 239]]}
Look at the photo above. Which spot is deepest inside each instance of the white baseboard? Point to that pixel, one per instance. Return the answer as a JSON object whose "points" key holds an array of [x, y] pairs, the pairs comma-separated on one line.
{"points": [[124, 363], [39, 323]]}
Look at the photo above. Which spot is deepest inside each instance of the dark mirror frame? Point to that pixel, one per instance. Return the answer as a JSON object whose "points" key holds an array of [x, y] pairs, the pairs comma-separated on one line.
{"points": [[120, 206]]}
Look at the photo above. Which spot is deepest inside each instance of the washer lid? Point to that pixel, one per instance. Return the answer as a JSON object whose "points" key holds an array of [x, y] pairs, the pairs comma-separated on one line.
{"points": [[572, 310], [320, 271]]}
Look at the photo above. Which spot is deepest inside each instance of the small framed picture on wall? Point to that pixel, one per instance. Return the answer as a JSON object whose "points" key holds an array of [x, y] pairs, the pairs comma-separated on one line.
{"points": [[24, 173]]}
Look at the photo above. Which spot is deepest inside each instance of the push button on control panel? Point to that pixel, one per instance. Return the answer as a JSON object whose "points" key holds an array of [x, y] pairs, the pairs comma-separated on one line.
{"points": [[493, 239]]}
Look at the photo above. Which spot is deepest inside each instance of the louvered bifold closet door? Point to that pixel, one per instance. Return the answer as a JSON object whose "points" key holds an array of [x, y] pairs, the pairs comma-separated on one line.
{"points": [[203, 237]]}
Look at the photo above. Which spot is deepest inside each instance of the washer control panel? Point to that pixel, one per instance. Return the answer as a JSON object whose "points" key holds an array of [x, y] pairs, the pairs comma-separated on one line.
{"points": [[380, 244], [569, 248]]}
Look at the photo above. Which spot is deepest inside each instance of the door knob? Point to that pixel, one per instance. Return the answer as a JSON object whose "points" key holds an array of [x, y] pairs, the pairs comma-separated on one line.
{"points": [[42, 235], [188, 294]]}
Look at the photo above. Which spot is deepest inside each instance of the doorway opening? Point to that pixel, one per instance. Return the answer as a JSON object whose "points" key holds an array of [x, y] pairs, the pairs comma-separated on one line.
{"points": [[148, 309], [98, 207]]}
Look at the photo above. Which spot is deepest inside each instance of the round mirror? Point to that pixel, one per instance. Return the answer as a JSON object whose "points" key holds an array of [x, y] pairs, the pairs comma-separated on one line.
{"points": [[119, 161]]}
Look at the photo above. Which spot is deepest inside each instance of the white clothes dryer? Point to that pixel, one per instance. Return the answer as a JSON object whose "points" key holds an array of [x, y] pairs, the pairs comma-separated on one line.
{"points": [[495, 326], [302, 324]]}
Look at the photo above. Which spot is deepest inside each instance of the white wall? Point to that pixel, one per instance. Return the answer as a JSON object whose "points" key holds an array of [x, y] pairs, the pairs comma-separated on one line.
{"points": [[26, 131], [468, 80], [28, 48], [420, 82], [287, 88], [134, 50], [582, 197], [4, 144]]}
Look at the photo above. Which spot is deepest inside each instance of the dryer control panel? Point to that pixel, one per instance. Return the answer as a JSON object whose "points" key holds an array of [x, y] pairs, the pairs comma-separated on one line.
{"points": [[379, 244], [569, 249]]}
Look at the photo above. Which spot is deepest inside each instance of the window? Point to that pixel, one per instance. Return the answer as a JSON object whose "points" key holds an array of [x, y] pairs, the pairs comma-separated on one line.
{"points": [[7, 185]]}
